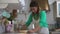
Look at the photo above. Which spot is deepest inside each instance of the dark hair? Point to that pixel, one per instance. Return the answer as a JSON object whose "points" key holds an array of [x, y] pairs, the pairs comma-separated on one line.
{"points": [[34, 4]]}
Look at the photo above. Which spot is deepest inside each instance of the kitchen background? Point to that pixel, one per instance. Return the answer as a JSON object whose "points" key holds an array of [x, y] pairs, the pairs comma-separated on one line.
{"points": [[22, 7]]}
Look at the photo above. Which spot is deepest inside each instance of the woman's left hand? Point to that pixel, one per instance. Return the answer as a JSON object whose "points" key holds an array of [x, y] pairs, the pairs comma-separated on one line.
{"points": [[31, 31], [34, 30]]}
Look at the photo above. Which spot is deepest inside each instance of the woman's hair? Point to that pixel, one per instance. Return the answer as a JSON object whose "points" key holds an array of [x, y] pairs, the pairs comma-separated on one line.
{"points": [[35, 4]]}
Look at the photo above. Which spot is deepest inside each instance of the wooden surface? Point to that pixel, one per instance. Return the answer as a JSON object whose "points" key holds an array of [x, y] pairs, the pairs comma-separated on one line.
{"points": [[43, 4]]}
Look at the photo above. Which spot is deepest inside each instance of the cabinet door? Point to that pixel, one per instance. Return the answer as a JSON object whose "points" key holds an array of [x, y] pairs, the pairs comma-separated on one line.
{"points": [[43, 4], [9, 1]]}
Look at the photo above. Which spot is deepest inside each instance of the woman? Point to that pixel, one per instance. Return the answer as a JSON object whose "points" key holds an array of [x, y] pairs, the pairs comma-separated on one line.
{"points": [[40, 15]]}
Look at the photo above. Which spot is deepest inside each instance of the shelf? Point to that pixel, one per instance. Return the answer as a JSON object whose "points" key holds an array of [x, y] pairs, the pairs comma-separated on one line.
{"points": [[2, 6], [9, 1]]}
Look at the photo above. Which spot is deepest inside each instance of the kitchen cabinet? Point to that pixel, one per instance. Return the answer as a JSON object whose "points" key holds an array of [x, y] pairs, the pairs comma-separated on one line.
{"points": [[56, 9], [4, 3], [43, 4], [9, 1], [2, 6]]}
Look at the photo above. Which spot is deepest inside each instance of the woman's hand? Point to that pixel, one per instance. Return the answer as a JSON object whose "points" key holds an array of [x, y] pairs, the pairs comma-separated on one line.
{"points": [[24, 27], [34, 30], [31, 31]]}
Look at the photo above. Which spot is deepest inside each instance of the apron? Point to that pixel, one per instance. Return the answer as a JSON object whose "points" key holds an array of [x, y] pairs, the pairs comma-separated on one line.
{"points": [[35, 23]]}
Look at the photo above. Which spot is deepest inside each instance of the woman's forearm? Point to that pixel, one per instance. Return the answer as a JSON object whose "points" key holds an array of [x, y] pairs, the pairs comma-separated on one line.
{"points": [[29, 20], [37, 28]]}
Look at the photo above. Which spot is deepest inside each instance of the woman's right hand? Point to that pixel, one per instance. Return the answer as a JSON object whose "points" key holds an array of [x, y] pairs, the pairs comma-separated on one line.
{"points": [[24, 27]]}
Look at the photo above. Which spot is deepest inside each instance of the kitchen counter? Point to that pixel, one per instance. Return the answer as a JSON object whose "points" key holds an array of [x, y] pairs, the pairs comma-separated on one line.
{"points": [[20, 32], [15, 33], [12, 33]]}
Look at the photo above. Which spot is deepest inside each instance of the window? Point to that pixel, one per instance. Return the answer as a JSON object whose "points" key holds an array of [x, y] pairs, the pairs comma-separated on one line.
{"points": [[23, 4]]}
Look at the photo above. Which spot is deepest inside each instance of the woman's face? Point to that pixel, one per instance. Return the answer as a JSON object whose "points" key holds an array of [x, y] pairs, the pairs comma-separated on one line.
{"points": [[34, 9]]}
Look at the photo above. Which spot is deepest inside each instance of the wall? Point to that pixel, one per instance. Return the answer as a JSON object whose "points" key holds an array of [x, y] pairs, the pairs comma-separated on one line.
{"points": [[12, 6], [51, 1], [50, 18], [27, 2]]}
